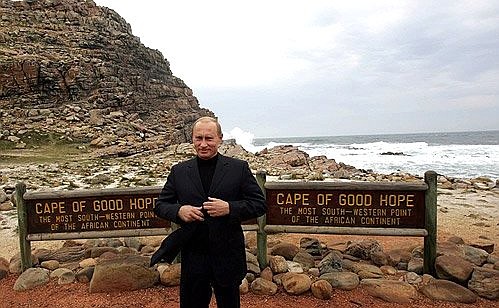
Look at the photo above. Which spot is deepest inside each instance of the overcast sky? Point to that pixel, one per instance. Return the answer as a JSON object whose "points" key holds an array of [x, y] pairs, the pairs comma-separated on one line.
{"points": [[309, 68]]}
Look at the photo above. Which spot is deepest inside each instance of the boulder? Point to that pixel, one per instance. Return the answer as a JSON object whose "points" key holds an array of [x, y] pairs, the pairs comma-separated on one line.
{"points": [[305, 259], [171, 275], [262, 286], [453, 268], [287, 250], [485, 283], [341, 280], [392, 291], [278, 264], [123, 273], [363, 249], [31, 278], [321, 289], [295, 283], [444, 290]]}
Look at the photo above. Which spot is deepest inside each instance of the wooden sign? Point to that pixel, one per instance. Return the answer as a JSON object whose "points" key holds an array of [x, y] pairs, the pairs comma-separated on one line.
{"points": [[368, 205], [93, 210]]}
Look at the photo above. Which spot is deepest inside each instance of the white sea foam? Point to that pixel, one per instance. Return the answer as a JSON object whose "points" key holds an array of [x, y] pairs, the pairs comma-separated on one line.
{"points": [[459, 155]]}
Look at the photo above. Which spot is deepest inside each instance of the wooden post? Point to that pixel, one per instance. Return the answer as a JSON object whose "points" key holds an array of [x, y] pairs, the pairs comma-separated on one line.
{"points": [[261, 235], [430, 241], [22, 226]]}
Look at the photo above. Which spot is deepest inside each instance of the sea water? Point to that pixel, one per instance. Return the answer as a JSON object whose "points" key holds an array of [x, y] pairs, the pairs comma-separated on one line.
{"points": [[455, 154]]}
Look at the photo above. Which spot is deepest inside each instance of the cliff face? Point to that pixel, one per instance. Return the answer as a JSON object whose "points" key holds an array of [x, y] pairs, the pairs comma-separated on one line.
{"points": [[78, 65]]}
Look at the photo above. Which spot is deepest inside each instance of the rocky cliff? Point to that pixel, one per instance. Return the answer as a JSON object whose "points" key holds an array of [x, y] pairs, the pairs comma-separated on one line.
{"points": [[75, 69]]}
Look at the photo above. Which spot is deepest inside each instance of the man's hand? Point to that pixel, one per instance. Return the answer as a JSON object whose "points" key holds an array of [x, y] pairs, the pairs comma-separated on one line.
{"points": [[216, 207], [189, 213]]}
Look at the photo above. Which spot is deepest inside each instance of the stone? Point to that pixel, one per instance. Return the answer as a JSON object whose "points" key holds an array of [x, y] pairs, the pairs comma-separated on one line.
{"points": [[392, 291], [485, 283], [475, 255], [84, 275], [31, 278], [59, 272], [363, 249], [341, 280], [412, 278], [305, 259], [295, 283], [453, 268], [286, 250], [415, 265], [50, 264], [484, 245], [388, 270], [123, 273], [444, 290], [244, 286], [267, 274], [63, 254], [332, 262], [262, 286], [294, 267], [379, 258], [89, 262], [67, 278], [367, 271], [171, 275], [311, 246], [278, 264], [321, 289]]}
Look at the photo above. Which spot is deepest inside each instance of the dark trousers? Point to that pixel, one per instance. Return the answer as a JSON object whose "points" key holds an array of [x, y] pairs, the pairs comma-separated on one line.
{"points": [[196, 293]]}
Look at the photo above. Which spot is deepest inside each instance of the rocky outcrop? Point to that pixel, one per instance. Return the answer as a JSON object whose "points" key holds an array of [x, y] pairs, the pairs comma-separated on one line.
{"points": [[75, 69]]}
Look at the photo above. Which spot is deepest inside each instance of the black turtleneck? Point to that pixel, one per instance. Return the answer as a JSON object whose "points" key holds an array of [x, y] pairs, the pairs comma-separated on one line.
{"points": [[206, 171]]}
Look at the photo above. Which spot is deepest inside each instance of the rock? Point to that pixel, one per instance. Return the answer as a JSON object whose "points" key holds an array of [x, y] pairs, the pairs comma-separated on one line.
{"points": [[278, 264], [63, 254], [332, 262], [50, 264], [311, 246], [388, 270], [486, 246], [363, 249], [123, 273], [31, 278], [295, 283], [4, 268], [67, 278], [59, 272], [365, 271], [341, 280], [262, 286], [396, 256], [453, 268], [267, 274], [305, 259], [95, 252], [244, 286], [89, 262], [171, 275], [85, 274], [485, 283], [444, 290], [379, 258], [415, 265], [476, 256], [294, 267], [322, 289], [390, 290], [412, 278], [287, 250]]}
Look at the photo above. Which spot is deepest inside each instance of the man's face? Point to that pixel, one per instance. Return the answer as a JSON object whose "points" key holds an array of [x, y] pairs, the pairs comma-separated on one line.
{"points": [[206, 139]]}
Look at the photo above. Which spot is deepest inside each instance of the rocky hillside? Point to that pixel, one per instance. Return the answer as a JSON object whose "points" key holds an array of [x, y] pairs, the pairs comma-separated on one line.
{"points": [[74, 69]]}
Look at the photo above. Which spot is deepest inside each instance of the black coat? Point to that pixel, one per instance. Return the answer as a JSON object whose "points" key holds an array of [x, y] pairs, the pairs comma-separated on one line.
{"points": [[232, 182]]}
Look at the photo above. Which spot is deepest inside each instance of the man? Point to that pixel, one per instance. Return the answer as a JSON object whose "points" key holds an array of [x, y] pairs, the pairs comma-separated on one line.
{"points": [[210, 196]]}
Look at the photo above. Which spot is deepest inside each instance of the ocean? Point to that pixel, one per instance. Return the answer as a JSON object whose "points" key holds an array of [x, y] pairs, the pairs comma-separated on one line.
{"points": [[454, 154]]}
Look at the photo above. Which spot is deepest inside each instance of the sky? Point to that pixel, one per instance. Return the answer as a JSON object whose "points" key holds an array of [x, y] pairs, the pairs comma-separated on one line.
{"points": [[283, 68]]}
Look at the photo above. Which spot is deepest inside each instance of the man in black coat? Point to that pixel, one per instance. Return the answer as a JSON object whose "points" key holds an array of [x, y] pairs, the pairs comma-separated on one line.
{"points": [[209, 196]]}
